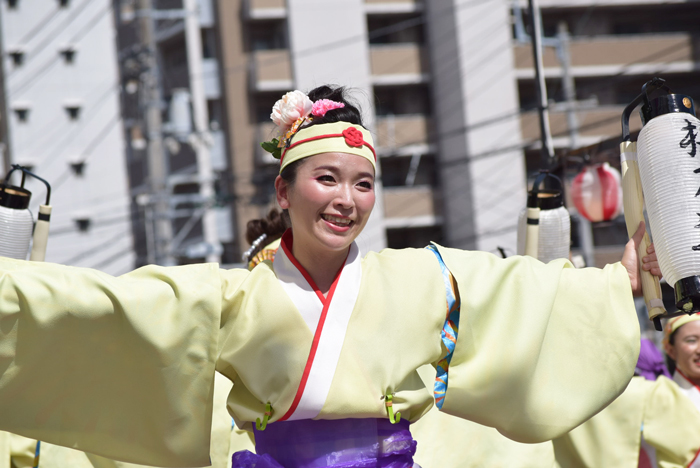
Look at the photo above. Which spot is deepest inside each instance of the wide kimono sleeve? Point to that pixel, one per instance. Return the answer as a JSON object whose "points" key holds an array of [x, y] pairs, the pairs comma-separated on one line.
{"points": [[121, 367], [540, 348]]}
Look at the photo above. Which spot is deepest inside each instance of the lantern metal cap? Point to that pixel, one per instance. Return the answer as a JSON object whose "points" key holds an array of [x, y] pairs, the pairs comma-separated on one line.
{"points": [[16, 198], [668, 104], [687, 294], [546, 198]]}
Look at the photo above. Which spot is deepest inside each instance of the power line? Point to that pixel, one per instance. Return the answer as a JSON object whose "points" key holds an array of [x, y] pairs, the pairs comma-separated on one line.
{"points": [[91, 251], [111, 259], [94, 21]]}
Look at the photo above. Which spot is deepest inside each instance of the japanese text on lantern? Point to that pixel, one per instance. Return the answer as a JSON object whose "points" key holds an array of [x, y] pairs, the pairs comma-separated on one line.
{"points": [[689, 141]]}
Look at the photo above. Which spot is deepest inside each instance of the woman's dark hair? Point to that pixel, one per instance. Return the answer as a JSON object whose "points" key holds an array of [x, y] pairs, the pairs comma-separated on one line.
{"points": [[274, 225], [670, 363], [350, 113]]}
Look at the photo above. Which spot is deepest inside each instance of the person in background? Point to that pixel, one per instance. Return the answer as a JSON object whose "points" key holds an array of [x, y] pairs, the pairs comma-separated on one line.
{"points": [[651, 425], [682, 346], [264, 236]]}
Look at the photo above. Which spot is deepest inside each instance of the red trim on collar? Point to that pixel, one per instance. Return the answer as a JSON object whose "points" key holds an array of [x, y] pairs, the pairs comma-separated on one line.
{"points": [[697, 387], [286, 244]]}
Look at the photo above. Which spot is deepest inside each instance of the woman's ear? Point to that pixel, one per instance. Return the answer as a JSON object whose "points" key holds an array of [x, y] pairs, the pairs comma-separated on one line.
{"points": [[282, 190]]}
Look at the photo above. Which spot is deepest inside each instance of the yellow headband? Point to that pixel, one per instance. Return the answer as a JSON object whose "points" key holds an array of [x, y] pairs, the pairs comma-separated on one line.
{"points": [[336, 137], [677, 322]]}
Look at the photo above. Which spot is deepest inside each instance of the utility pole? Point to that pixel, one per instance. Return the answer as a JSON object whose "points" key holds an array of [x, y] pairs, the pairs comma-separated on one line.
{"points": [[202, 139], [585, 231], [157, 162], [542, 106]]}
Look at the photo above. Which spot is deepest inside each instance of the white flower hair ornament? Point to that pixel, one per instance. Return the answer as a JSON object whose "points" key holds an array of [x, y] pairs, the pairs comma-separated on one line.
{"points": [[290, 113]]}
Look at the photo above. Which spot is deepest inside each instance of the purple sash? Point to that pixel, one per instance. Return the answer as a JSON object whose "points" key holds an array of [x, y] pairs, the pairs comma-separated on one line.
{"points": [[341, 443]]}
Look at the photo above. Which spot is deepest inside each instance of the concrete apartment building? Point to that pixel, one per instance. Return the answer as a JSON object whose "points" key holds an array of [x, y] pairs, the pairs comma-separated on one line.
{"points": [[440, 100], [615, 47], [61, 118]]}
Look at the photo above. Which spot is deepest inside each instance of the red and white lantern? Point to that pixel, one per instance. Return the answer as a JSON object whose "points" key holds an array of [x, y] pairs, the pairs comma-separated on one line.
{"points": [[597, 193]]}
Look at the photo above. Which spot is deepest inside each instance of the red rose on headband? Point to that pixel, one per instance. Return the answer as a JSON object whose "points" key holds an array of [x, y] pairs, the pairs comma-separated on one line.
{"points": [[353, 137]]}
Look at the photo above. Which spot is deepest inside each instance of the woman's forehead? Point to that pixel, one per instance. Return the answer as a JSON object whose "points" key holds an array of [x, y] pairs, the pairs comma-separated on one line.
{"points": [[690, 328]]}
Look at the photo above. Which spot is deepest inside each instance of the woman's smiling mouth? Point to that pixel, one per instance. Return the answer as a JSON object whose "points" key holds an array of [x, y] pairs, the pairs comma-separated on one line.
{"points": [[338, 221]]}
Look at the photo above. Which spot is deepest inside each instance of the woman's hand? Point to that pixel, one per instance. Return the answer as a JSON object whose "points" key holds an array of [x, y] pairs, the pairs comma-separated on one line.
{"points": [[630, 260]]}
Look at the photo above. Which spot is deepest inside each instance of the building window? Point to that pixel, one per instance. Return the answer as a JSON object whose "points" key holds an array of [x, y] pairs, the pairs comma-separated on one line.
{"points": [[402, 171], [402, 100], [417, 237], [268, 35], [68, 55], [83, 224], [12, 4], [263, 105], [63, 3], [73, 111], [22, 113], [17, 57], [395, 29], [77, 167], [208, 43]]}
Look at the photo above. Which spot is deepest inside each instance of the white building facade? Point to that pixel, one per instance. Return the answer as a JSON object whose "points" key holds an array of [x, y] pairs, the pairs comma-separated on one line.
{"points": [[61, 89]]}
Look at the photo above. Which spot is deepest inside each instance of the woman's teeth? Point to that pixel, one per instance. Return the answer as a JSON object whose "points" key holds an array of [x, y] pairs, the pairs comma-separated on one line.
{"points": [[336, 220]]}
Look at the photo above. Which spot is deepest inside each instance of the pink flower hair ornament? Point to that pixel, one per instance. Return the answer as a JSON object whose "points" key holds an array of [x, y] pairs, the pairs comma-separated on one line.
{"points": [[290, 113], [322, 106]]}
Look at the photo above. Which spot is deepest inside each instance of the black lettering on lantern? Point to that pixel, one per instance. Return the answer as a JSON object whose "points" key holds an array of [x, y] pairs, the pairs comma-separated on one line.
{"points": [[689, 139]]}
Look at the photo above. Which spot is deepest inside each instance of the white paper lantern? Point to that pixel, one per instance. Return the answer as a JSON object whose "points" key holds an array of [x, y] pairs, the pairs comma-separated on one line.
{"points": [[553, 222], [16, 222], [597, 193], [554, 234], [669, 165]]}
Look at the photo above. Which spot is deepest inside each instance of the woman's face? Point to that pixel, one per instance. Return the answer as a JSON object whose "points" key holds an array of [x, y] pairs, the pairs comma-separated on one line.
{"points": [[686, 350], [329, 202]]}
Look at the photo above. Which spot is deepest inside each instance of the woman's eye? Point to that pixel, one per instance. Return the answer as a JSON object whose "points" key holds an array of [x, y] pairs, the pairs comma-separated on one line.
{"points": [[366, 184], [326, 178]]}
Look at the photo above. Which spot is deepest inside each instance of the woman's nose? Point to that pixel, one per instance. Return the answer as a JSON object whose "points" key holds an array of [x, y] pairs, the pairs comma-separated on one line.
{"points": [[344, 196]]}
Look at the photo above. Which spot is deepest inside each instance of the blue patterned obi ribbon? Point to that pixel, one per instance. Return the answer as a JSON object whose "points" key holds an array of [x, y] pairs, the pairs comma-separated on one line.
{"points": [[449, 332]]}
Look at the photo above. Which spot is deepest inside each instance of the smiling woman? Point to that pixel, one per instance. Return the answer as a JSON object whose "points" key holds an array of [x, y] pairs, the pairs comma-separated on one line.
{"points": [[682, 346], [322, 343]]}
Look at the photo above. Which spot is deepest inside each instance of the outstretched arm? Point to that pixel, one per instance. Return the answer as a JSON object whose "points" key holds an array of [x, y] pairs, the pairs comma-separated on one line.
{"points": [[122, 367]]}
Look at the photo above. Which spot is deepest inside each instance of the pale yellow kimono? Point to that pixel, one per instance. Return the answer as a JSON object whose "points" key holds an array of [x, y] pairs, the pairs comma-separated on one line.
{"points": [[19, 452], [656, 411], [124, 367], [448, 441]]}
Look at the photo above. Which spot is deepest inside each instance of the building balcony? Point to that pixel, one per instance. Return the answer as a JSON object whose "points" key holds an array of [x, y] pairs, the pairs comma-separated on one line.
{"points": [[594, 125], [609, 55], [392, 6], [265, 9], [272, 70], [398, 64], [399, 134], [410, 207]]}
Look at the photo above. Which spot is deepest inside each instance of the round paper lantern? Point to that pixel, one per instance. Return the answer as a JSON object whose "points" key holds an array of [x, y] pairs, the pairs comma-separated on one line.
{"points": [[597, 193], [544, 226]]}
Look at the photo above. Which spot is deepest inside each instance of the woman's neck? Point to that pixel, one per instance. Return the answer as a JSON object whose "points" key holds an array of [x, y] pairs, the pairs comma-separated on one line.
{"points": [[322, 266], [692, 380]]}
